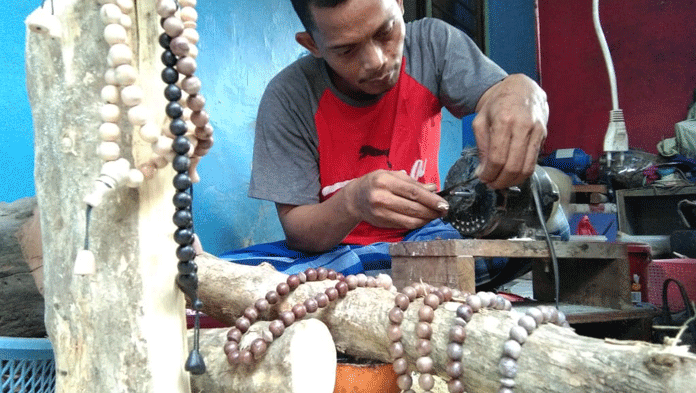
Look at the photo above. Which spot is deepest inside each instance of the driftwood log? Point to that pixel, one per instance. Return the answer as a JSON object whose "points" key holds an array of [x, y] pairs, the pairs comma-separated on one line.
{"points": [[553, 359]]}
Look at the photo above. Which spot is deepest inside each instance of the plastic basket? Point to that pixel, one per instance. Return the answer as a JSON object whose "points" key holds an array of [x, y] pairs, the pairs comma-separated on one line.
{"points": [[26, 365], [659, 270]]}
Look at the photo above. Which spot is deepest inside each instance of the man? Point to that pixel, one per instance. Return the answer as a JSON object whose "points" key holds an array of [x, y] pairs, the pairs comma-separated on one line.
{"points": [[347, 138]]}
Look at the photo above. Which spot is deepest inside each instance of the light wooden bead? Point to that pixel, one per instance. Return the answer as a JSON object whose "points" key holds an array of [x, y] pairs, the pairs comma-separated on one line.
{"points": [[114, 33], [159, 161], [187, 3], [110, 13], [192, 51], [148, 170], [191, 85], [196, 102], [109, 151], [126, 21], [173, 26], [109, 93], [186, 65], [138, 115], [110, 113], [179, 46], [163, 146], [126, 6], [110, 77], [191, 35], [120, 54], [189, 24], [132, 95], [135, 178], [166, 8], [109, 132], [126, 74], [149, 132], [188, 14]]}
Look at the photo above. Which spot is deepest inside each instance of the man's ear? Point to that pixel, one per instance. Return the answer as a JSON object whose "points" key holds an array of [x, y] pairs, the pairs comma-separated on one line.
{"points": [[305, 39]]}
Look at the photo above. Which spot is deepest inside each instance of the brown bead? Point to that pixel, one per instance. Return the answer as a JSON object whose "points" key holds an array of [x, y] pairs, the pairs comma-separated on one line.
{"points": [[400, 366], [424, 364], [420, 289], [401, 301], [426, 314], [302, 277], [293, 282], [396, 315], [230, 346], [272, 297], [507, 367], [519, 334], [287, 317], [446, 292], [410, 292], [283, 289], [245, 357], [311, 274], [311, 305], [474, 302], [261, 305], [340, 276], [331, 274], [426, 382], [342, 289], [396, 350], [195, 102], [455, 351], [251, 313], [528, 323], [173, 26], [233, 357], [258, 348], [394, 332], [276, 327], [454, 369], [331, 293], [322, 273], [199, 118], [432, 300], [423, 330], [243, 324], [234, 334], [439, 295], [180, 46], [465, 312], [455, 386], [352, 282], [186, 65], [322, 300], [299, 310], [423, 347], [404, 382], [457, 334]]}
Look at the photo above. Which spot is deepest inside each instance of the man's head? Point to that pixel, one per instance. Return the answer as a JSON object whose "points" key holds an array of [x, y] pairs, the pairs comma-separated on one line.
{"points": [[361, 41]]}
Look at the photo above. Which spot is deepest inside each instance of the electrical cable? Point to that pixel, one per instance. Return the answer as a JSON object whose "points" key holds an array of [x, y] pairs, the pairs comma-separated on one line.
{"points": [[537, 203]]}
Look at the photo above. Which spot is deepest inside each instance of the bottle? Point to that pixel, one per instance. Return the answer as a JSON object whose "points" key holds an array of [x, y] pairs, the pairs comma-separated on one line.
{"points": [[635, 289]]}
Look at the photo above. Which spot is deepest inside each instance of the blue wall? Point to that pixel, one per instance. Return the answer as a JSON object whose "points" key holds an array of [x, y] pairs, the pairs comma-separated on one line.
{"points": [[241, 49]]}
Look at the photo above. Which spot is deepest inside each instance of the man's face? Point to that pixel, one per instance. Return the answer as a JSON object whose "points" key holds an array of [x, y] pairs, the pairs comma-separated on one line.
{"points": [[362, 41]]}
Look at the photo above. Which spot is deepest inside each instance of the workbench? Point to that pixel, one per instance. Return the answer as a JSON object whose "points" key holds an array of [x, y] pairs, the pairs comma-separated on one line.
{"points": [[594, 276]]}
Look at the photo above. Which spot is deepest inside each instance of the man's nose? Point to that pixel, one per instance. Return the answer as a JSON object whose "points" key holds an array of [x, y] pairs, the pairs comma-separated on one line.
{"points": [[373, 57]]}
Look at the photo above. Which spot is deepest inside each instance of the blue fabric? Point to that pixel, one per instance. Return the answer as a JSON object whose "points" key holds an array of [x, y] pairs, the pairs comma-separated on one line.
{"points": [[374, 258]]}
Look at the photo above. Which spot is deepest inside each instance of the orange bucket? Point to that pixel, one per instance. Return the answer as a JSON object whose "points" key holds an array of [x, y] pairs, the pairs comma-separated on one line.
{"points": [[365, 378]]}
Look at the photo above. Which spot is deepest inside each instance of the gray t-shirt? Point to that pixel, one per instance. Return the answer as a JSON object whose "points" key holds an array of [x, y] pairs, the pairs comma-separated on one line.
{"points": [[285, 166]]}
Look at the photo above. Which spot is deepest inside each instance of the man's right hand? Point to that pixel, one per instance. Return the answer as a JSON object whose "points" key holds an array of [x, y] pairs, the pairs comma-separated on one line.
{"points": [[392, 199]]}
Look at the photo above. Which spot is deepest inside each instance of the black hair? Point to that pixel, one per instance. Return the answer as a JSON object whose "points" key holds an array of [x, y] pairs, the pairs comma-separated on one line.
{"points": [[303, 12]]}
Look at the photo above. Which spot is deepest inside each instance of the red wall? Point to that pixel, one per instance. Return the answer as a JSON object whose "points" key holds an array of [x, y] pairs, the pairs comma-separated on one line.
{"points": [[653, 46]]}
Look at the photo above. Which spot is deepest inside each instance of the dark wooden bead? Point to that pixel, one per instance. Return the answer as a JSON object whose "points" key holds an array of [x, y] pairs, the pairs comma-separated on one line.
{"points": [[426, 314], [322, 273], [311, 305], [287, 317], [432, 300], [251, 313], [230, 346], [423, 347], [272, 297], [258, 348], [283, 289], [457, 334], [455, 386], [396, 350], [396, 315], [245, 357], [233, 357], [446, 292], [293, 282], [182, 181], [299, 310], [276, 327], [455, 351], [311, 274], [400, 366], [340, 276], [423, 330], [342, 288], [404, 382], [322, 300], [465, 312], [243, 324], [455, 369], [439, 295], [410, 292], [234, 335], [332, 293], [261, 305], [394, 332], [331, 274], [401, 301]]}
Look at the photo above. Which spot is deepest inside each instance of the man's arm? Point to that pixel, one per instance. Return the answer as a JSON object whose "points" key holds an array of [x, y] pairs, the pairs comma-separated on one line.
{"points": [[510, 128], [386, 199]]}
